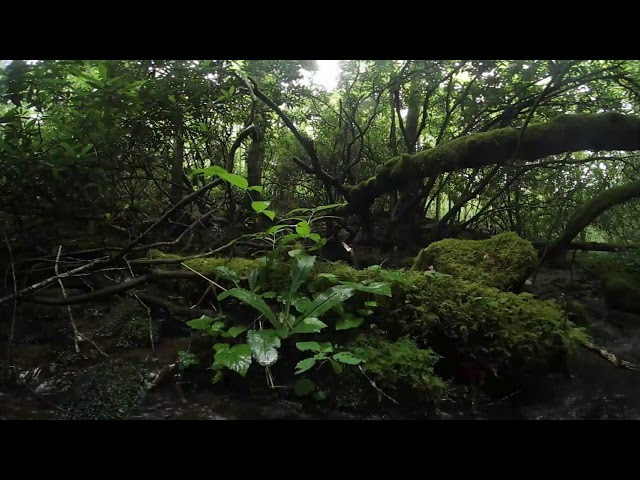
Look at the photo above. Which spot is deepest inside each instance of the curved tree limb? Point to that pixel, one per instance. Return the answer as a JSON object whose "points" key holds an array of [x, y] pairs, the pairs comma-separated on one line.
{"points": [[590, 211], [567, 133]]}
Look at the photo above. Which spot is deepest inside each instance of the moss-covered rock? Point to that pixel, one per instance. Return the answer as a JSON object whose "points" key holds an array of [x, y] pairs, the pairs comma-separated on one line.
{"points": [[400, 368], [467, 323], [128, 321], [503, 261], [106, 391], [621, 292]]}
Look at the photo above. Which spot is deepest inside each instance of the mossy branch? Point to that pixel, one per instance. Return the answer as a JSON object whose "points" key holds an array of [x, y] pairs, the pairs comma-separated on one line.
{"points": [[566, 133]]}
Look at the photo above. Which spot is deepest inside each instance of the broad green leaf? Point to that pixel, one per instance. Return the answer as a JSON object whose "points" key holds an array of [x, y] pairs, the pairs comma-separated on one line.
{"points": [[102, 70], [288, 238], [315, 237], [85, 150], [300, 271], [303, 229], [326, 347], [259, 206], [252, 299], [202, 323], [172, 98], [264, 345], [393, 276], [216, 328], [269, 213], [234, 331], [218, 347], [336, 367], [255, 188], [348, 321], [329, 207], [327, 300], [217, 377], [309, 325], [294, 253], [346, 357], [304, 387], [300, 302], [226, 272], [305, 365], [277, 228], [236, 358], [253, 279], [236, 180], [378, 288], [304, 346]]}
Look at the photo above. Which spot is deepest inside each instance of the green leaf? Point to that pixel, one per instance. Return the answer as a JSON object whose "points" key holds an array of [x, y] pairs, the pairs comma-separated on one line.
{"points": [[348, 321], [300, 271], [326, 347], [303, 229], [378, 288], [305, 346], [85, 150], [102, 70], [346, 357], [107, 216], [315, 237], [217, 377], [202, 323], [277, 228], [210, 171], [392, 276], [288, 238], [329, 276], [327, 300], [234, 331], [252, 299], [309, 325], [371, 304], [329, 207], [336, 367], [305, 365], [236, 358], [172, 98], [300, 302], [256, 188], [236, 180], [226, 272], [216, 328], [264, 345], [269, 213], [304, 387], [253, 279], [318, 395], [298, 210], [294, 253], [260, 206], [218, 347]]}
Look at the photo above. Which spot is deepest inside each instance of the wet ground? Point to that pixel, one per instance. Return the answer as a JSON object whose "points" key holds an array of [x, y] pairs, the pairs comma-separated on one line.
{"points": [[596, 390]]}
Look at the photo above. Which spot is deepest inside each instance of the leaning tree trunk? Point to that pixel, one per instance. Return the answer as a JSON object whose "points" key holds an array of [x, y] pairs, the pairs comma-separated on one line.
{"points": [[590, 211]]}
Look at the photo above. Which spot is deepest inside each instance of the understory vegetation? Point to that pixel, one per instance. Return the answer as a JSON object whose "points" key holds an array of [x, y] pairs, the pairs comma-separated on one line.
{"points": [[234, 223]]}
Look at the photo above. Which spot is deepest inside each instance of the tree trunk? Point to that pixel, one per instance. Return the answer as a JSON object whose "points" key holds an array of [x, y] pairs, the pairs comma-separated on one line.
{"points": [[590, 211]]}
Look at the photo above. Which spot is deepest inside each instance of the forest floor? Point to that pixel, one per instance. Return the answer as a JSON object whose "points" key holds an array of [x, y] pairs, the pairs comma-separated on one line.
{"points": [[595, 389]]}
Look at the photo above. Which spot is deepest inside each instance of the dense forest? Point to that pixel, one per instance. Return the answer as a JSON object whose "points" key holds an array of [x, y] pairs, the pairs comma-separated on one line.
{"points": [[319, 239]]}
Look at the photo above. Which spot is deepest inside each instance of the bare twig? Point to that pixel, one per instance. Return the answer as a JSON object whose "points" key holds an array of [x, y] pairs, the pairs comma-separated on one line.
{"points": [[373, 384], [64, 294], [15, 301], [153, 347]]}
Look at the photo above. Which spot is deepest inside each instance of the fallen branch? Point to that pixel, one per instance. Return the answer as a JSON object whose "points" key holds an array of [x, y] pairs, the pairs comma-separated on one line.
{"points": [[610, 357], [64, 294]]}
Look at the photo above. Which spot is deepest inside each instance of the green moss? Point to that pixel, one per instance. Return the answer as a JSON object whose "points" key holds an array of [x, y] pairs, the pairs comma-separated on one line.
{"points": [[106, 391], [128, 320], [242, 266], [159, 254], [503, 261], [399, 368], [621, 292]]}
